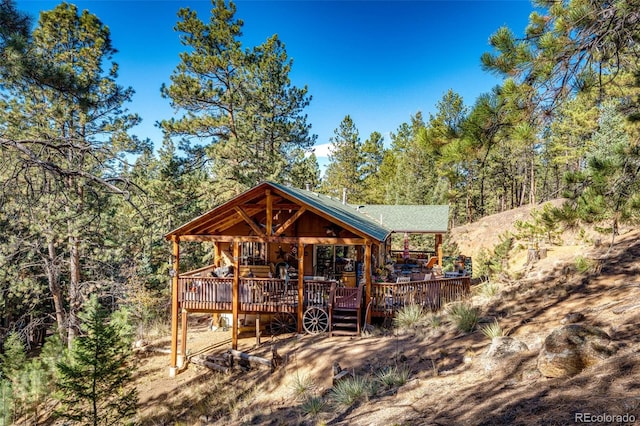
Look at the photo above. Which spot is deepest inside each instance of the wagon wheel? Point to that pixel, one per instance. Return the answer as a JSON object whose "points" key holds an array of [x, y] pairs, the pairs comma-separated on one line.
{"points": [[282, 322], [315, 320]]}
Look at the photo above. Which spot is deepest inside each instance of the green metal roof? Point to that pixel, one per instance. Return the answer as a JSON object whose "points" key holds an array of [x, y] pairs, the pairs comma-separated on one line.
{"points": [[376, 219], [345, 213], [410, 218]]}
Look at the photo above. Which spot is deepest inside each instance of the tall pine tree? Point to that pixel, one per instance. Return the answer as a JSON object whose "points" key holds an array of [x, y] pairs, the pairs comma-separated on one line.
{"points": [[239, 103]]}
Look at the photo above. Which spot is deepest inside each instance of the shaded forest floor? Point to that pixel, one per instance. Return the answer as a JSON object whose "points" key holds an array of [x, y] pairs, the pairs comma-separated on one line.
{"points": [[447, 384]]}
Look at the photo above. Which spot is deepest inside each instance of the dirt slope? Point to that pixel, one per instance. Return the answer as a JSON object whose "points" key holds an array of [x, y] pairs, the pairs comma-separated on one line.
{"points": [[447, 384]]}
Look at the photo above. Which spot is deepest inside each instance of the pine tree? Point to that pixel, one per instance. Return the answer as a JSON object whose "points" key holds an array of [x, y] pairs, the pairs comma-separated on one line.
{"points": [[6, 402], [96, 381], [373, 153], [239, 102], [66, 147], [13, 357], [345, 163], [569, 46], [608, 187]]}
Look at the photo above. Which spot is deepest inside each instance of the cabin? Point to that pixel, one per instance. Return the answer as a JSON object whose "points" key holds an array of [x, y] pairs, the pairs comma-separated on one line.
{"points": [[305, 262]]}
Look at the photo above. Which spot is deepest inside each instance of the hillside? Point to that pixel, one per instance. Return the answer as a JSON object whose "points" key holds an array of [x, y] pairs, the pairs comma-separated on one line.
{"points": [[448, 384]]}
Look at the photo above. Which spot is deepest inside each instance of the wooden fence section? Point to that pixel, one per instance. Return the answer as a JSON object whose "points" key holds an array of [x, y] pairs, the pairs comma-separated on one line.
{"points": [[205, 294], [265, 295], [257, 295], [387, 298]]}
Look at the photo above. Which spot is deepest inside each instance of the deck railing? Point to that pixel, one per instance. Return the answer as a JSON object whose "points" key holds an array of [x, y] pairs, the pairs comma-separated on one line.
{"points": [[387, 298], [255, 294]]}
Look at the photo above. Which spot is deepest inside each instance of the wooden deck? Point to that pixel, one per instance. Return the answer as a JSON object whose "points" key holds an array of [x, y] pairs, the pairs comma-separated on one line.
{"points": [[271, 295], [257, 295], [387, 298]]}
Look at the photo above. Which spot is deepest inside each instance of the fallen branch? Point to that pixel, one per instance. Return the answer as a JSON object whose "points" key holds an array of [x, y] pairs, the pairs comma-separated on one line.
{"points": [[145, 349], [210, 365], [237, 355]]}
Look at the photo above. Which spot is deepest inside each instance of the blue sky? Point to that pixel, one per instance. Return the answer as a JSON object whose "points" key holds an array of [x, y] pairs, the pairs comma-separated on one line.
{"points": [[378, 61]]}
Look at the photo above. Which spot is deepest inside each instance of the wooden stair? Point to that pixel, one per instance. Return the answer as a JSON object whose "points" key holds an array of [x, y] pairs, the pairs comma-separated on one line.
{"points": [[345, 311]]}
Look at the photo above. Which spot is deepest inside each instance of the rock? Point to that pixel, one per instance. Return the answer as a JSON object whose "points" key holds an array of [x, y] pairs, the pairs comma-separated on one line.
{"points": [[571, 348], [500, 353], [572, 318]]}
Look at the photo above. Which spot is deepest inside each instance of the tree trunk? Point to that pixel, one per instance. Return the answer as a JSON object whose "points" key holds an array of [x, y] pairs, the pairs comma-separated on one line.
{"points": [[532, 193], [54, 287], [75, 302]]}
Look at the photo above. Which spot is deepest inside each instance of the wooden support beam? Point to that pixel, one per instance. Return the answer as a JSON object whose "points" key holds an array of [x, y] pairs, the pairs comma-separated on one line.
{"points": [[183, 338], [276, 239], [438, 248], [269, 221], [258, 332], [367, 279], [276, 205], [250, 222], [300, 285], [217, 253], [173, 364], [290, 221], [235, 300]]}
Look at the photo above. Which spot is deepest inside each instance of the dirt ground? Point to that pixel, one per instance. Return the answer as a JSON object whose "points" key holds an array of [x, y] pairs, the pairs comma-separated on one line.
{"points": [[447, 384]]}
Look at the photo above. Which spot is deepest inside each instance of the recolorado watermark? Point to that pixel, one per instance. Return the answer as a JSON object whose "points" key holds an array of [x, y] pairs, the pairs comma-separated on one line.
{"points": [[604, 418]]}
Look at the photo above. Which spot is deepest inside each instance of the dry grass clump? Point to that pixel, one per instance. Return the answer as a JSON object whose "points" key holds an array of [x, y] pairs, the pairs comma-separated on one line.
{"points": [[463, 316], [410, 316], [492, 330], [350, 391], [393, 376]]}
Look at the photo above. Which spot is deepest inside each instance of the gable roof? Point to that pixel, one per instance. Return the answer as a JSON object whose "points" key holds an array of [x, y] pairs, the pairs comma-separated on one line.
{"points": [[410, 218], [373, 221], [344, 213]]}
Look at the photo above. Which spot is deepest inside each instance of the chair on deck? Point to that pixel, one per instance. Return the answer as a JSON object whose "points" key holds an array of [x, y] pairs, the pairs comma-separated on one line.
{"points": [[403, 279], [431, 263]]}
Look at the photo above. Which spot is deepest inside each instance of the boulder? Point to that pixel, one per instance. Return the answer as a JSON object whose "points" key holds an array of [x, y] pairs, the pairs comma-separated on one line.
{"points": [[571, 348], [500, 353], [572, 318]]}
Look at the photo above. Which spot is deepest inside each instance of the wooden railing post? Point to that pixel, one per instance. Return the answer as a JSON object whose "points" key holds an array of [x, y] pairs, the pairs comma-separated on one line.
{"points": [[235, 299], [300, 285], [367, 279], [175, 272]]}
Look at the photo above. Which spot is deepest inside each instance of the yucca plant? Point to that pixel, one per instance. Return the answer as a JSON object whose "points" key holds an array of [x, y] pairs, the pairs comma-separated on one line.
{"points": [[393, 376], [349, 391], [488, 289], [464, 316], [434, 321], [410, 316], [313, 405], [492, 330], [301, 385]]}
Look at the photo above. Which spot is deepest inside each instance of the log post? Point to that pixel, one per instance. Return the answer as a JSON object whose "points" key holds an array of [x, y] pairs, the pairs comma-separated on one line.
{"points": [[367, 279], [182, 357], [258, 333], [438, 248], [300, 285], [173, 365], [235, 304], [269, 221]]}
